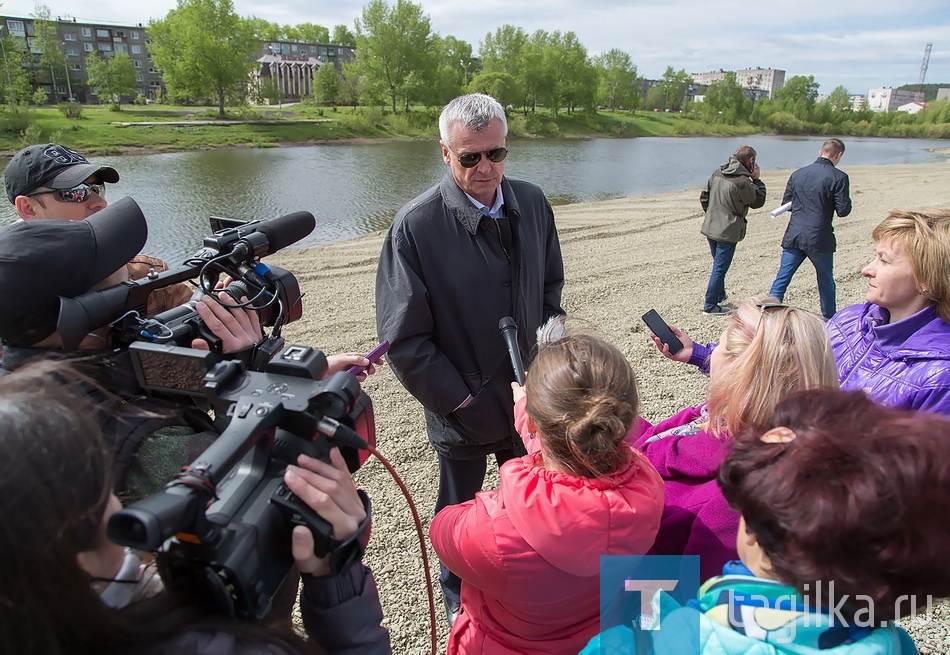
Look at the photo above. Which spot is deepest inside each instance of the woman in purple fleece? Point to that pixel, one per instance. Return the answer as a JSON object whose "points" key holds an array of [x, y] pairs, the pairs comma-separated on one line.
{"points": [[766, 351]]}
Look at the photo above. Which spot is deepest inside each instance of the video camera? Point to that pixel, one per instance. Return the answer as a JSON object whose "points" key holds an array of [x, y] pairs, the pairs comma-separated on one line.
{"points": [[223, 525], [234, 251]]}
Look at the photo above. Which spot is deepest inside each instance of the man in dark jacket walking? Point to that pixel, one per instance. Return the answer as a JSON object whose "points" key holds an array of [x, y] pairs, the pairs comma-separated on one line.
{"points": [[727, 197], [471, 250], [816, 192]]}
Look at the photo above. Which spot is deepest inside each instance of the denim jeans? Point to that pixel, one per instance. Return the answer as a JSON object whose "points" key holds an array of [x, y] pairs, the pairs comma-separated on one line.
{"points": [[722, 253], [823, 262]]}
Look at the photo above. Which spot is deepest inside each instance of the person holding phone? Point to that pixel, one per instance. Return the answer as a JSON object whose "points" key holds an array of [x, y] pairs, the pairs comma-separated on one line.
{"points": [[731, 191], [766, 351]]}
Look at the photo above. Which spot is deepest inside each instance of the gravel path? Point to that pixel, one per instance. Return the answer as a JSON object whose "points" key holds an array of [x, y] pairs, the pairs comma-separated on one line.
{"points": [[622, 257]]}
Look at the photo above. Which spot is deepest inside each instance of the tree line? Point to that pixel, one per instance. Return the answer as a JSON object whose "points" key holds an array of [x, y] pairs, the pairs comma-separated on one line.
{"points": [[206, 51]]}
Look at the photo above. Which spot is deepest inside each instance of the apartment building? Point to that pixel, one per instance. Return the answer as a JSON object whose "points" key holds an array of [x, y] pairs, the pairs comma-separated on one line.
{"points": [[291, 66], [760, 82], [885, 98], [78, 41]]}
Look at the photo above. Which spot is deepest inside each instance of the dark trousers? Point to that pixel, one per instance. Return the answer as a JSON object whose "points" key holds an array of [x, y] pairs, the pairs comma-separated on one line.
{"points": [[460, 480]]}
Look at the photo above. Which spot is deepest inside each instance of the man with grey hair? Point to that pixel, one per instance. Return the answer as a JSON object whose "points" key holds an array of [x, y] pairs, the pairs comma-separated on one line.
{"points": [[473, 249]]}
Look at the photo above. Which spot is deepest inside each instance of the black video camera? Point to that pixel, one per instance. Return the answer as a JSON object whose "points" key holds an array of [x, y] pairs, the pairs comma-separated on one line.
{"points": [[235, 251], [224, 523]]}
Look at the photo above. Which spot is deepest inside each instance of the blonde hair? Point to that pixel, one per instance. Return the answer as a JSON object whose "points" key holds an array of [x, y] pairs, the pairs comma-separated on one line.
{"points": [[925, 236], [582, 396], [777, 350]]}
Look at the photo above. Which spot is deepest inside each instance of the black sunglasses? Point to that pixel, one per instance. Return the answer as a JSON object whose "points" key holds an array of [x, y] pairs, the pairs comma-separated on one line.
{"points": [[78, 193], [471, 159]]}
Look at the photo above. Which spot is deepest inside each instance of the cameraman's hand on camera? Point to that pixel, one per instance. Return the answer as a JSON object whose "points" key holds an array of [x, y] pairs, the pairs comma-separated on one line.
{"points": [[684, 354], [238, 328], [343, 361], [331, 493]]}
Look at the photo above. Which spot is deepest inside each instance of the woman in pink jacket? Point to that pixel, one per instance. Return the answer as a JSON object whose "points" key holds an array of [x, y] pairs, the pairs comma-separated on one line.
{"points": [[529, 552]]}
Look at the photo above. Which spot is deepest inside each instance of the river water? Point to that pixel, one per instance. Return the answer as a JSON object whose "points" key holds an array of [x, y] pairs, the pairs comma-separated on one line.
{"points": [[354, 189]]}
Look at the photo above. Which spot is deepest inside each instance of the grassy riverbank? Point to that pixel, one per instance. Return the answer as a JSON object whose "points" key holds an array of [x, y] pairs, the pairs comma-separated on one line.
{"points": [[160, 128]]}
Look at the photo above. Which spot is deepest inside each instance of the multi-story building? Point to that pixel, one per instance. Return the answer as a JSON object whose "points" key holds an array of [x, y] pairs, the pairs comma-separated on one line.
{"points": [[78, 41], [761, 82], [291, 66], [885, 98]]}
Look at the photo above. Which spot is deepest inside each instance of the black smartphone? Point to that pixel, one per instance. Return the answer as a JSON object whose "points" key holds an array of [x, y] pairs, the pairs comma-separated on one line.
{"points": [[659, 327]]}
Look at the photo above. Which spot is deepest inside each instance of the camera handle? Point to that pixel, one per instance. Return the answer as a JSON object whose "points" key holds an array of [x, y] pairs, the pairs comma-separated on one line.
{"points": [[343, 554]]}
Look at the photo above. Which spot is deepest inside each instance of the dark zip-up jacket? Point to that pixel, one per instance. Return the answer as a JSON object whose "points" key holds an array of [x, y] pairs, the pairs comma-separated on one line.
{"points": [[447, 274], [816, 192]]}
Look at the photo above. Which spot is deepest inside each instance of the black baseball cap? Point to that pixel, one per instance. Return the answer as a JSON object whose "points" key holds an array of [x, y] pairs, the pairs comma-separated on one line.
{"points": [[42, 260], [53, 166]]}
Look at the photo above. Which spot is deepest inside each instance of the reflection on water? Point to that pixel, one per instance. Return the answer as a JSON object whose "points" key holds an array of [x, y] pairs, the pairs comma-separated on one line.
{"points": [[355, 189]]}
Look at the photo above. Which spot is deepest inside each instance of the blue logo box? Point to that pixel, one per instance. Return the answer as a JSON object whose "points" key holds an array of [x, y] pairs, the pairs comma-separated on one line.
{"points": [[637, 595]]}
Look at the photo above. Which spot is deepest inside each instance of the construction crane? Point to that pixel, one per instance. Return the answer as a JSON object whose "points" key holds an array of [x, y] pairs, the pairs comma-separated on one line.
{"points": [[923, 72]]}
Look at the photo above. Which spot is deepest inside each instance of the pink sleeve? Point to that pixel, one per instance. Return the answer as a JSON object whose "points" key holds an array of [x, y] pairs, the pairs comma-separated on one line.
{"points": [[531, 442], [463, 537]]}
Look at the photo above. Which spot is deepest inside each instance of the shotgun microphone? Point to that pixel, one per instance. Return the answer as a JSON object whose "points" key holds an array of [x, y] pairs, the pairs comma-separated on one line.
{"points": [[509, 332]]}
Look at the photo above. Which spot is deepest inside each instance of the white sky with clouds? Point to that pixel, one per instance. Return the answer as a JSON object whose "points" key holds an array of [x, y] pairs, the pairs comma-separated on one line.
{"points": [[856, 43]]}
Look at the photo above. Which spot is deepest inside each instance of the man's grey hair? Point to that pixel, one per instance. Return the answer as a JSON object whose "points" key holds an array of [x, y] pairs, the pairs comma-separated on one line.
{"points": [[473, 111]]}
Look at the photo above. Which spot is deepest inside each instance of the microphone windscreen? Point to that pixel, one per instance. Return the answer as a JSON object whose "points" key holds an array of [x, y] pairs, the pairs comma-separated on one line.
{"points": [[507, 322], [286, 230]]}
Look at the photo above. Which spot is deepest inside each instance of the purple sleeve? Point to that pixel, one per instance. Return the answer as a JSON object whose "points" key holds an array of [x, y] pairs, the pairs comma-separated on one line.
{"points": [[700, 356]]}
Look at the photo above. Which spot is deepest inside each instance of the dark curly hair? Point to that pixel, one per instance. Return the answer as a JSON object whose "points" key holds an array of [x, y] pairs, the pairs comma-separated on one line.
{"points": [[860, 496]]}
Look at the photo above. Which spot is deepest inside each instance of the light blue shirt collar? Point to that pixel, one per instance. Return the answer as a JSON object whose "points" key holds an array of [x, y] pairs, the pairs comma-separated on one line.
{"points": [[495, 211]]}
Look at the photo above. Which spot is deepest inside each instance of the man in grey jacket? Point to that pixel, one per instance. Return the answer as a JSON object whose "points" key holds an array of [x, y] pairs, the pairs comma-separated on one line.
{"points": [[727, 197], [471, 250]]}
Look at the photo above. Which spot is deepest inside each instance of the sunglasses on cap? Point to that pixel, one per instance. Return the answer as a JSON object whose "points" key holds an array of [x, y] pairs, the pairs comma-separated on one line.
{"points": [[78, 193], [471, 159]]}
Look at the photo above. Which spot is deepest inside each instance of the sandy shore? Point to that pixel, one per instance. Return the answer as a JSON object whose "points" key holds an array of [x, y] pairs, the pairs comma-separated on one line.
{"points": [[622, 257]]}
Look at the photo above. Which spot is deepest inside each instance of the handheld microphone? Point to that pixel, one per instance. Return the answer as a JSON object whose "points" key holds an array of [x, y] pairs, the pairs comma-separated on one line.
{"points": [[509, 332]]}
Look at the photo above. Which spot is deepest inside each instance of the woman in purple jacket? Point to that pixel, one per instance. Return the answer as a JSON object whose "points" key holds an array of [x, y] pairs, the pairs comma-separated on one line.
{"points": [[896, 346], [766, 351]]}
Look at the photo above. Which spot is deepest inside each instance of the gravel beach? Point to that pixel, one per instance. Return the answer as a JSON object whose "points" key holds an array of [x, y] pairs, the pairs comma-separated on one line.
{"points": [[622, 257]]}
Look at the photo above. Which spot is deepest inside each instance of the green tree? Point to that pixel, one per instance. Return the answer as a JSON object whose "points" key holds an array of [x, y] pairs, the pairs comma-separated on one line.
{"points": [[798, 96], [574, 80], [656, 98], [453, 70], [618, 83], [264, 30], [46, 43], [113, 77], [15, 86], [536, 77], [307, 33], [342, 35], [350, 85], [504, 51], [326, 84], [840, 100], [674, 85], [393, 43], [501, 86], [203, 48], [726, 103]]}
